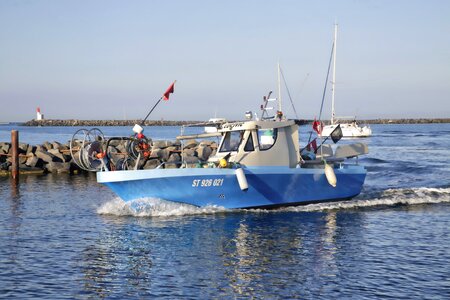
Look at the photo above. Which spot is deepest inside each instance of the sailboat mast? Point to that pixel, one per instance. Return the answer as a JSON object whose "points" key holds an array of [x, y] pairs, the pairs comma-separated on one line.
{"points": [[279, 88], [333, 82]]}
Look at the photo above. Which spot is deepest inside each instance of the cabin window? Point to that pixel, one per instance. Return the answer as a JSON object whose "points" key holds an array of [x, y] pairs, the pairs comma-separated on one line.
{"points": [[267, 138], [249, 145], [231, 141]]}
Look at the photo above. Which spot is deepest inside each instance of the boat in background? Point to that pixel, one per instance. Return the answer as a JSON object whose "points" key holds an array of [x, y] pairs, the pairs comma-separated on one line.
{"points": [[349, 129], [214, 124], [348, 125]]}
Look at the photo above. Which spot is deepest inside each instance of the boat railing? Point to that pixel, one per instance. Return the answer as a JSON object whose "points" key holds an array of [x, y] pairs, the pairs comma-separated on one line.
{"points": [[342, 153], [198, 136]]}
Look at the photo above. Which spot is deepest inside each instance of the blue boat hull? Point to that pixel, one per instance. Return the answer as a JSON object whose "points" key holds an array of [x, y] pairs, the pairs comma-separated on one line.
{"points": [[267, 186]]}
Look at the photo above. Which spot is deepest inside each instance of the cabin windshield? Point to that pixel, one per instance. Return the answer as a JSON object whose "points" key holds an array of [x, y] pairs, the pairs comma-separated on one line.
{"points": [[267, 138], [231, 141], [249, 144]]}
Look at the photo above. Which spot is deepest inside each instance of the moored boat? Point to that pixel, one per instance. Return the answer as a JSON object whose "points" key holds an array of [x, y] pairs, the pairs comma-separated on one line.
{"points": [[213, 124], [350, 128]]}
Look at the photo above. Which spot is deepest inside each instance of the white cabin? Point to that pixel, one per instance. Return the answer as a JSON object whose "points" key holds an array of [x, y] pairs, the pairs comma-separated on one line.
{"points": [[260, 143]]}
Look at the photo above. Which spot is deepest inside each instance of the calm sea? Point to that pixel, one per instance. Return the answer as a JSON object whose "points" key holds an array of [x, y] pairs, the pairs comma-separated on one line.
{"points": [[65, 236]]}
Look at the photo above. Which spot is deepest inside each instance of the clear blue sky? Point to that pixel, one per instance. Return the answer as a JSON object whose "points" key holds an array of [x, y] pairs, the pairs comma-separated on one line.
{"points": [[114, 59]]}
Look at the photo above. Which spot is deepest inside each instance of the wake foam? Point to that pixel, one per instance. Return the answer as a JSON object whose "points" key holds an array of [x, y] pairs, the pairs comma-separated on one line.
{"points": [[389, 197], [149, 207]]}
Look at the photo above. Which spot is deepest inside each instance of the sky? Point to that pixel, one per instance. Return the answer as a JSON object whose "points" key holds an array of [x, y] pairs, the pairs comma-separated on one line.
{"points": [[114, 59]]}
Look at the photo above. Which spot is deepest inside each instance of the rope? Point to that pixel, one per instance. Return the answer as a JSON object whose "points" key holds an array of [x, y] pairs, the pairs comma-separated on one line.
{"points": [[289, 94], [326, 82], [302, 85], [324, 88]]}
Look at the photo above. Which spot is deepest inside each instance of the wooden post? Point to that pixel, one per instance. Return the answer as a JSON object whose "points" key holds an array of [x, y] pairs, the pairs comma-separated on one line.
{"points": [[15, 154]]}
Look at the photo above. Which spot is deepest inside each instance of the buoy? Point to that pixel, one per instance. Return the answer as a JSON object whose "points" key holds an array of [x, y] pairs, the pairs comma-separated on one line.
{"points": [[329, 173], [242, 180], [223, 163], [137, 129]]}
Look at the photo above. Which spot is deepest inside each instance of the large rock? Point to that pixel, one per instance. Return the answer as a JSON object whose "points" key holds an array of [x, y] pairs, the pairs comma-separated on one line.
{"points": [[5, 165], [31, 149], [58, 167], [23, 148], [63, 157], [121, 148], [205, 143], [5, 146], [40, 148], [59, 146], [34, 162], [115, 143], [27, 169], [204, 152], [112, 150], [188, 152], [2, 157], [21, 167], [165, 153], [47, 157], [174, 161], [156, 153], [162, 144], [22, 159], [190, 159], [188, 144], [47, 145], [151, 164]]}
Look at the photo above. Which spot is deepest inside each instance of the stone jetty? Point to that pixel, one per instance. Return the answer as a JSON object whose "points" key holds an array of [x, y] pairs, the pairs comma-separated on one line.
{"points": [[54, 157], [91, 123]]}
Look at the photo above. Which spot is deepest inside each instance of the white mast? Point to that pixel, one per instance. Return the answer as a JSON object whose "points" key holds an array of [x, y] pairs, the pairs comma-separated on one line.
{"points": [[279, 88], [333, 82]]}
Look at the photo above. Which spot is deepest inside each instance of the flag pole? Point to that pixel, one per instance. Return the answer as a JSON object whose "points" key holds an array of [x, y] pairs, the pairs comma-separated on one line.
{"points": [[323, 141], [154, 106], [165, 96]]}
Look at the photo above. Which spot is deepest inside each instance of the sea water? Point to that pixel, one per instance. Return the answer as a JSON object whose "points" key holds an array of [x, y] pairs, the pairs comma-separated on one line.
{"points": [[65, 236]]}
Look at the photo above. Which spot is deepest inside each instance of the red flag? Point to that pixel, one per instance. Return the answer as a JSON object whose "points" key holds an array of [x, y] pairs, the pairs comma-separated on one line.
{"points": [[169, 91], [317, 126]]}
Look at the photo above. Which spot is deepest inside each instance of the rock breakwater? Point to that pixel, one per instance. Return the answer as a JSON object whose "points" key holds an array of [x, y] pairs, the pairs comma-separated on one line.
{"points": [[91, 123], [54, 157]]}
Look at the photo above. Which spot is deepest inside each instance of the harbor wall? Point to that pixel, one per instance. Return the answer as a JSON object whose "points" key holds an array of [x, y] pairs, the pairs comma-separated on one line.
{"points": [[91, 123]]}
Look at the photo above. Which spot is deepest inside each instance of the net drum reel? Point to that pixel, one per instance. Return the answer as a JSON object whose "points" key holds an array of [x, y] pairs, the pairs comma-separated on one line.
{"points": [[87, 149], [138, 147], [120, 160], [92, 152]]}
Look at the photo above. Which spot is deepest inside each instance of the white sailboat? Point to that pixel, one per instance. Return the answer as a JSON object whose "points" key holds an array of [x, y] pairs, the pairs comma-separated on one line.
{"points": [[349, 126]]}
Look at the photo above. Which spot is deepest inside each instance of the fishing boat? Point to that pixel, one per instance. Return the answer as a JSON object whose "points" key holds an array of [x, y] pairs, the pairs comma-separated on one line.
{"points": [[249, 171], [258, 164], [348, 125]]}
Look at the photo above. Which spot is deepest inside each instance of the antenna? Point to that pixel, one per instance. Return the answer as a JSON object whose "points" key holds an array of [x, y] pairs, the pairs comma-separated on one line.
{"points": [[279, 88], [333, 81]]}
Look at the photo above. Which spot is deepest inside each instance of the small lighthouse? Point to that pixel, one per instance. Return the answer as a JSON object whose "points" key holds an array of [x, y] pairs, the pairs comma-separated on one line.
{"points": [[39, 116]]}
